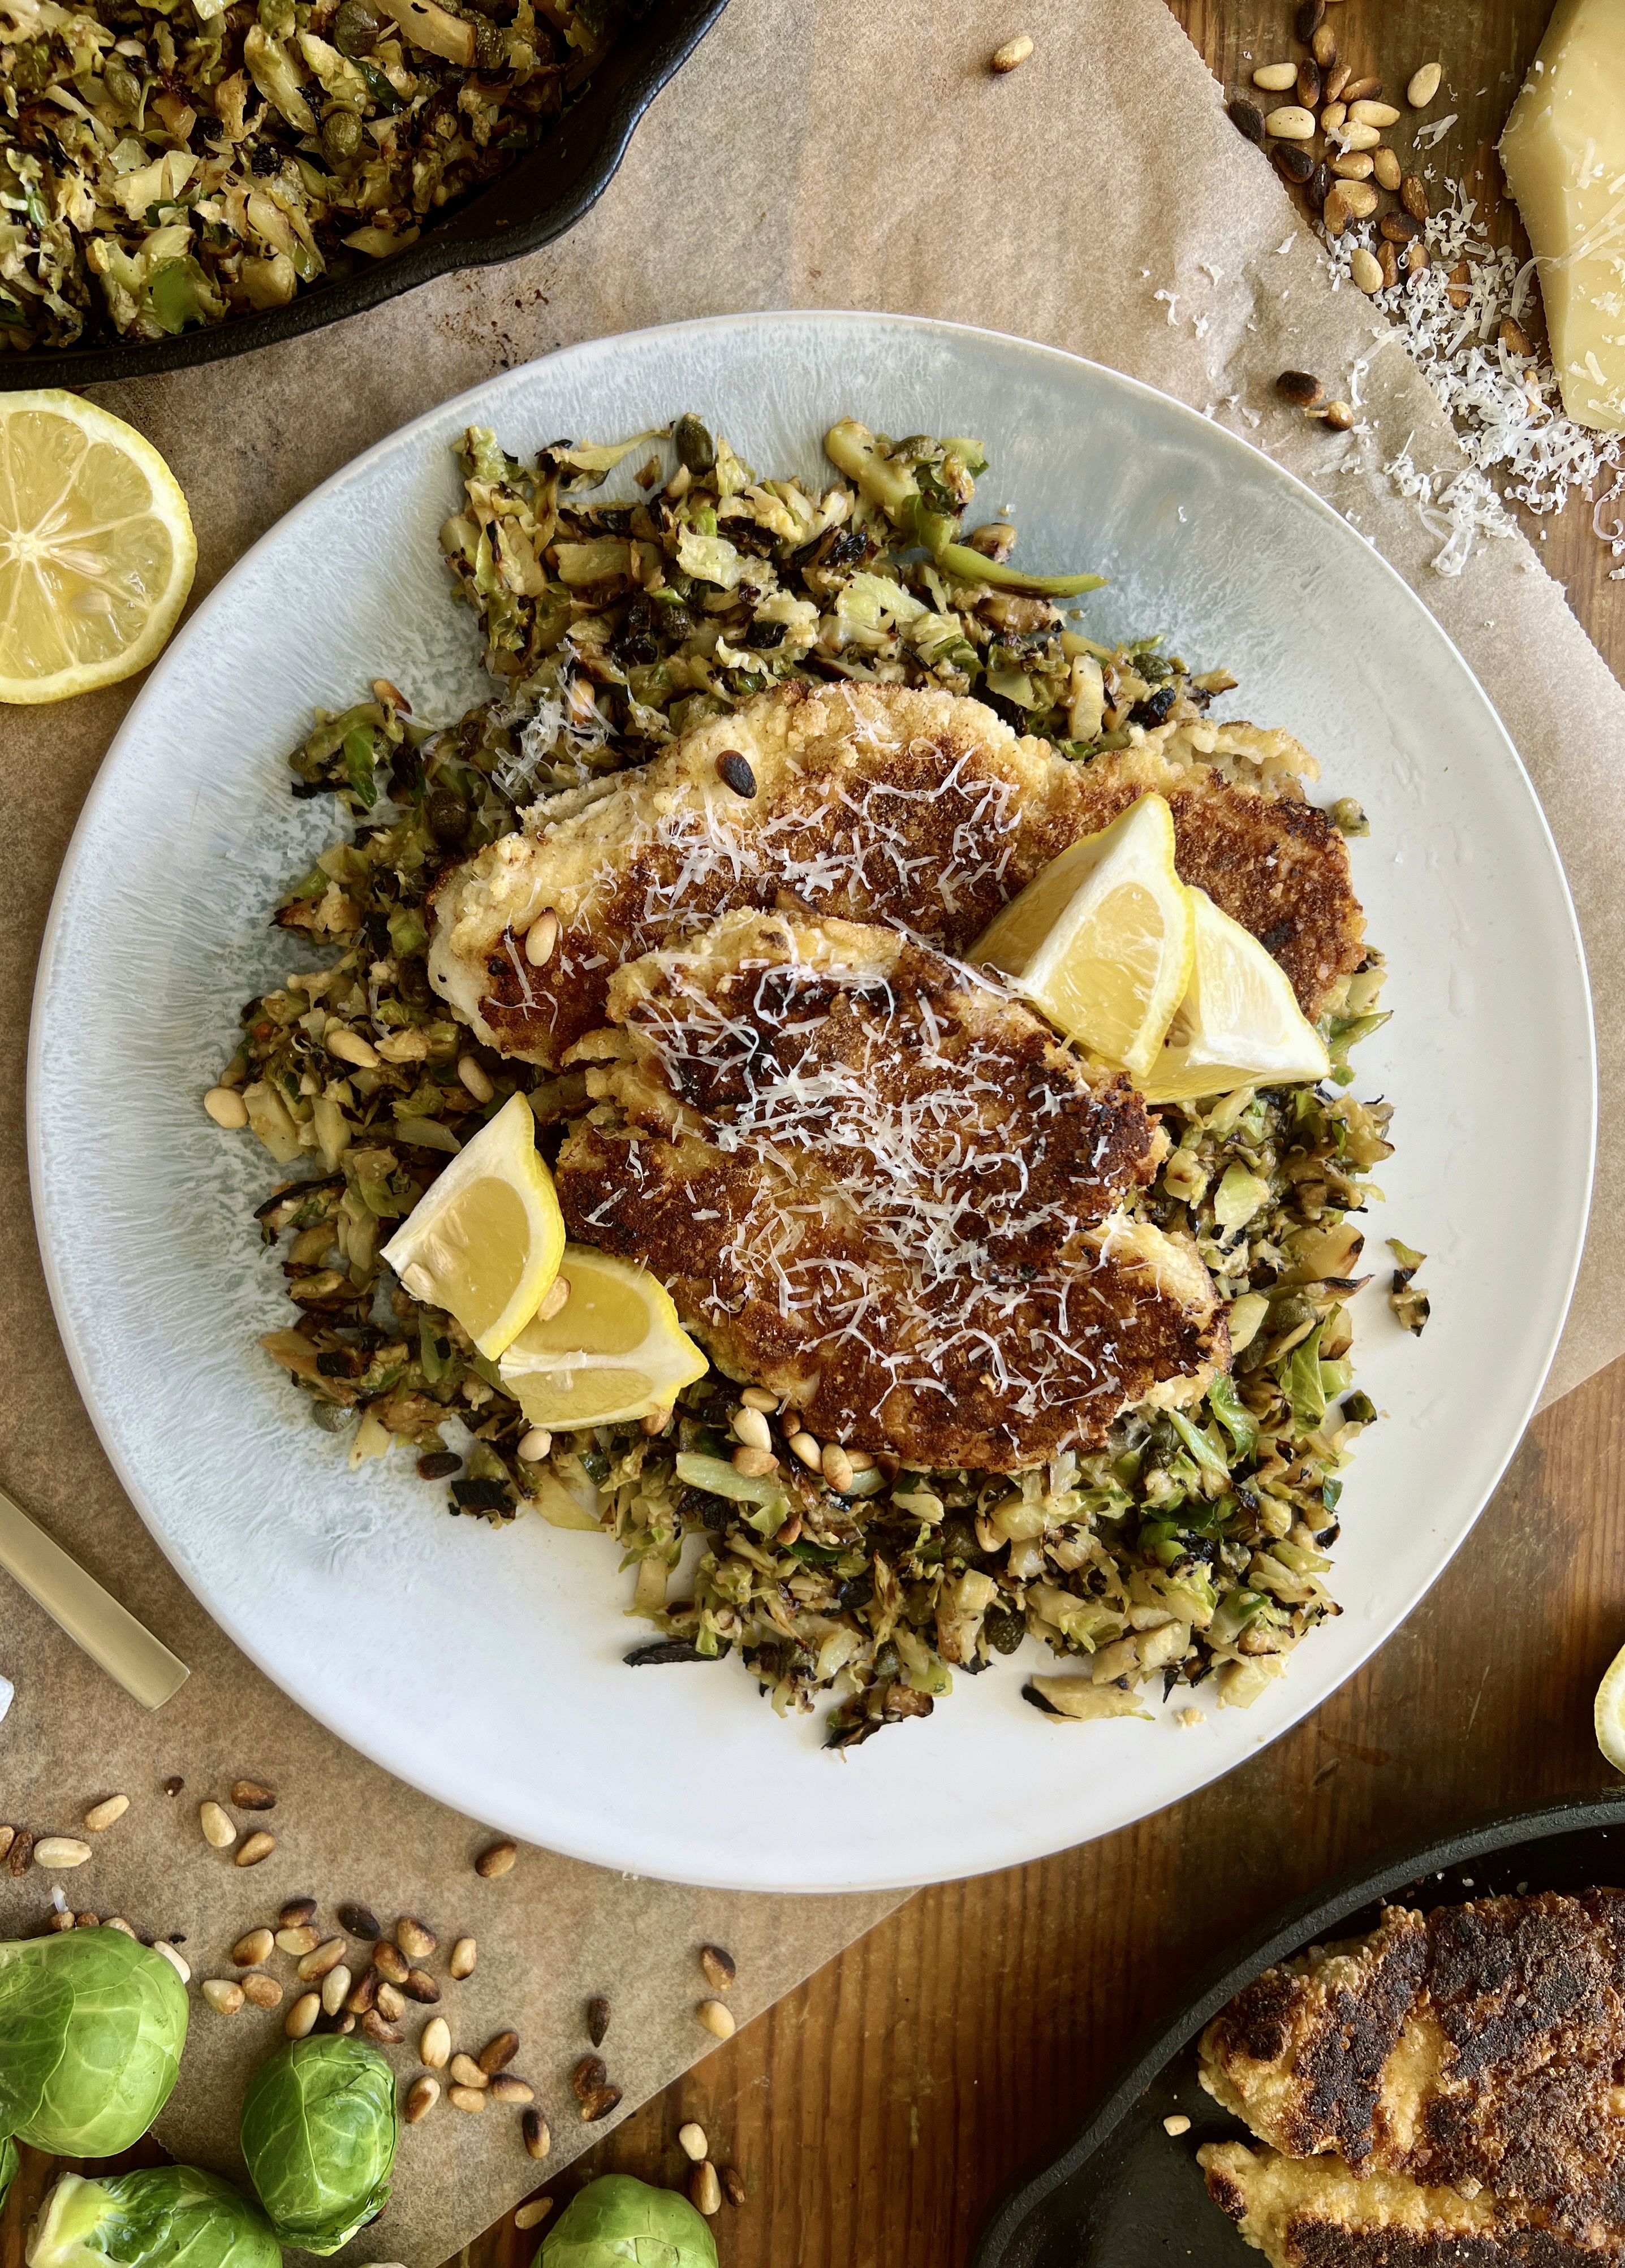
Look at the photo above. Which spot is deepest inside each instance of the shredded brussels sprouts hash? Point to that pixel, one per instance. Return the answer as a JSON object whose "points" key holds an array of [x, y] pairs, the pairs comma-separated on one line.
{"points": [[1194, 1546], [172, 162]]}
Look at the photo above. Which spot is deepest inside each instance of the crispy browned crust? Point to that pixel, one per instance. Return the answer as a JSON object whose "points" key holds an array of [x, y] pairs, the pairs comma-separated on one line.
{"points": [[872, 1183], [1314, 2213], [873, 803], [1483, 2045]]}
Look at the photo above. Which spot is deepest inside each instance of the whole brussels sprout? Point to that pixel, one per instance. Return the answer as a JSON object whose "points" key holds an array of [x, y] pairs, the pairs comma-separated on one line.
{"points": [[162, 2217], [616, 2218], [319, 2131], [91, 2026]]}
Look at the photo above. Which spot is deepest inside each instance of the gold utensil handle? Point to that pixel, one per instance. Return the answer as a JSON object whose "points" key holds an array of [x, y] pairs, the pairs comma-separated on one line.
{"points": [[93, 1619]]}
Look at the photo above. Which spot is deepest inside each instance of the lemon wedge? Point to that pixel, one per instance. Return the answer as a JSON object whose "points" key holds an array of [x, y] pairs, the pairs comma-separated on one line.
{"points": [[1103, 939], [96, 547], [1239, 1023], [486, 1241], [614, 1351], [1609, 1714]]}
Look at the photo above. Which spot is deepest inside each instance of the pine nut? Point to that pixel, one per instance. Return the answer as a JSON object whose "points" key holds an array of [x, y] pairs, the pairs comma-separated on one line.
{"points": [[360, 1921], [325, 1957], [717, 2019], [220, 1994], [416, 1943], [299, 1941], [389, 2001], [20, 1851], [541, 938], [364, 1996], [732, 2185], [301, 2017], [654, 1421], [1416, 257], [434, 2043], [296, 1914], [226, 1107], [101, 1816], [705, 2189], [538, 2135], [253, 1795], [1291, 123], [532, 2215], [500, 2050], [1323, 47], [60, 1853], [465, 2098], [421, 2097], [757, 1397], [535, 1446], [1356, 135], [1413, 196], [1459, 290], [377, 2027], [554, 1300], [809, 1450], [1361, 90], [249, 1952], [464, 1954], [420, 1986], [754, 1465], [1373, 114], [507, 2087], [118, 1922], [500, 1858], [218, 1831], [750, 1427], [471, 1071], [1385, 166], [1309, 84], [1364, 271], [720, 1968], [1425, 86], [1338, 81], [837, 1468], [1332, 116], [335, 1989], [1513, 336], [1014, 52], [350, 1047], [1388, 264], [1335, 211], [588, 2075], [599, 2104], [390, 1961], [1275, 78], [692, 2140], [264, 1991], [87, 1921], [257, 1847], [1356, 166], [162, 1945], [1339, 416], [467, 2073], [1361, 199]]}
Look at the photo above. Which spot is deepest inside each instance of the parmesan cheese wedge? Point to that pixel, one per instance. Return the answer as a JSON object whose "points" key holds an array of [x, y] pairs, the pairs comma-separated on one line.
{"points": [[1563, 153]]}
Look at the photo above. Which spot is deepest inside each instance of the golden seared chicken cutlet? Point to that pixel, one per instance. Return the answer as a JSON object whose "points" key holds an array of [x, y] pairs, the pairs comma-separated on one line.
{"points": [[1312, 2213], [875, 1185], [872, 803], [1479, 2047]]}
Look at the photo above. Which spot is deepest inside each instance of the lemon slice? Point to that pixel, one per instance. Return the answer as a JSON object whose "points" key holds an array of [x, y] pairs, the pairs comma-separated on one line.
{"points": [[1610, 1713], [96, 547], [487, 1239], [1102, 940], [614, 1351], [1239, 1023]]}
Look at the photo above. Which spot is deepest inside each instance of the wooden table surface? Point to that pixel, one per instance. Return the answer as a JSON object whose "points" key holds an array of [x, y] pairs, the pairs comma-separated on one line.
{"points": [[875, 2111]]}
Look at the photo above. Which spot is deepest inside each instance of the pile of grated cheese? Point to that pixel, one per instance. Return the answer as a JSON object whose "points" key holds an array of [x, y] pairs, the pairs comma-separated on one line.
{"points": [[1507, 407]]}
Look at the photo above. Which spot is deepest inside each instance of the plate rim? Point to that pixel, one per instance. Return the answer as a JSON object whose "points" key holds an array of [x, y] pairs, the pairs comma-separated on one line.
{"points": [[488, 392], [1301, 1921]]}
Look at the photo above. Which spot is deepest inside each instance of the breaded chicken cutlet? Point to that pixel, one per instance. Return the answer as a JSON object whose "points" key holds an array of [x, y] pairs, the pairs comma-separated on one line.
{"points": [[1312, 2213], [868, 803], [875, 1185], [1478, 2048]]}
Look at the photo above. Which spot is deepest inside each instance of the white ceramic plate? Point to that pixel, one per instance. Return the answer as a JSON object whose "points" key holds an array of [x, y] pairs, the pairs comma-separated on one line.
{"points": [[486, 1667]]}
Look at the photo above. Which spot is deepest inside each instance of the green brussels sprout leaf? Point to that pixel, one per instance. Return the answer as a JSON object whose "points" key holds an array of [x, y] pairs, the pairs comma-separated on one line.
{"points": [[91, 2026], [618, 2219], [161, 2217], [319, 2131], [8, 2165]]}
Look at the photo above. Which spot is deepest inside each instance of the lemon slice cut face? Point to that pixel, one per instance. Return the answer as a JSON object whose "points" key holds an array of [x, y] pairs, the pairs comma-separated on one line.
{"points": [[96, 547], [1102, 940], [1239, 1023], [1610, 1713], [486, 1241], [615, 1351]]}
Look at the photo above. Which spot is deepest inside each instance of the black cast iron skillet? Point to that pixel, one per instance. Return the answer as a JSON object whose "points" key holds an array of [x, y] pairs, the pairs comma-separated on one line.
{"points": [[545, 193], [1123, 2193]]}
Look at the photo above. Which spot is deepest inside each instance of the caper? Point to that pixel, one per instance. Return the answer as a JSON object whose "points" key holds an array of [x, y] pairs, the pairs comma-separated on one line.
{"points": [[447, 816], [356, 27], [491, 46], [341, 135], [694, 445], [124, 87]]}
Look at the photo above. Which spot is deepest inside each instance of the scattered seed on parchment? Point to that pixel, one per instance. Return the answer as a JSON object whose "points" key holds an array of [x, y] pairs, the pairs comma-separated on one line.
{"points": [[162, 1945], [599, 2104], [224, 1994], [118, 1922], [364, 1996], [421, 2097], [322, 1958], [360, 1921], [264, 1991], [717, 2019], [20, 1852], [60, 1853], [219, 1832], [498, 2052], [251, 1951], [296, 1914], [101, 1816], [253, 1795], [720, 1966], [335, 1990], [1339, 416], [507, 2087], [467, 2073], [588, 2075], [538, 2136], [497, 1859], [532, 2215], [464, 1954], [1007, 58], [301, 2017], [388, 1999], [1301, 388], [414, 1940], [466, 2098], [597, 2020], [377, 2027], [390, 1961], [434, 2043], [253, 1848]]}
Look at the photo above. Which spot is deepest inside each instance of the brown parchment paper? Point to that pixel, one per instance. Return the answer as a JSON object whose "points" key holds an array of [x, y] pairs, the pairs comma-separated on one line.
{"points": [[815, 152]]}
